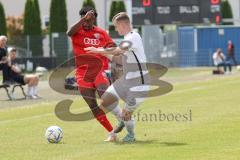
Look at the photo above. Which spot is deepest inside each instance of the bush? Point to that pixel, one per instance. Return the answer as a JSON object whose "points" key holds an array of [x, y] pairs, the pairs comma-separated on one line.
{"points": [[116, 7], [58, 24], [3, 27], [32, 28], [58, 16], [226, 11]]}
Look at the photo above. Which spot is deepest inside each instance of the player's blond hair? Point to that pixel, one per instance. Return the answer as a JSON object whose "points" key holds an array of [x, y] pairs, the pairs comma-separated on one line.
{"points": [[122, 16]]}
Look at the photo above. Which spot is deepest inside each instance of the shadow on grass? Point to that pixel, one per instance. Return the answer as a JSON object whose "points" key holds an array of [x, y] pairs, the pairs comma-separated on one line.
{"points": [[9, 100], [21, 99], [173, 144], [150, 142]]}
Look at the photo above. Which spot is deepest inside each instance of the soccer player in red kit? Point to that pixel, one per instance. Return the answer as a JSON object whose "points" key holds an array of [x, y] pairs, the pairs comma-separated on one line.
{"points": [[90, 68]]}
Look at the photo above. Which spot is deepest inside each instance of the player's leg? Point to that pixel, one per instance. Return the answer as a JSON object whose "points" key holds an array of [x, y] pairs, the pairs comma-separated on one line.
{"points": [[89, 95], [102, 84], [131, 104], [88, 91], [117, 112], [110, 103], [130, 125]]}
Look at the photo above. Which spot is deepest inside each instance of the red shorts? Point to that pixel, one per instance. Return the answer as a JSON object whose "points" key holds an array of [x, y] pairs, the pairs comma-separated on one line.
{"points": [[90, 71], [92, 82]]}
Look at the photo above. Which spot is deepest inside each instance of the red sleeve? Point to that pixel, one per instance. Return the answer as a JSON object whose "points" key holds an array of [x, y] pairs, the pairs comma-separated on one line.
{"points": [[73, 37]]}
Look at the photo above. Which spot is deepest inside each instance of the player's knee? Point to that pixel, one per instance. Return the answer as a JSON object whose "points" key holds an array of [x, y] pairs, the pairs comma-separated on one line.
{"points": [[109, 102]]}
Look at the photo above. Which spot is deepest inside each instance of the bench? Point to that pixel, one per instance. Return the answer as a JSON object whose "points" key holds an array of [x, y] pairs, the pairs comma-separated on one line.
{"points": [[10, 92]]}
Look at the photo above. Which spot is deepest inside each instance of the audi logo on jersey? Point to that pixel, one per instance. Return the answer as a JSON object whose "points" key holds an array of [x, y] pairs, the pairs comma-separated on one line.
{"points": [[90, 41]]}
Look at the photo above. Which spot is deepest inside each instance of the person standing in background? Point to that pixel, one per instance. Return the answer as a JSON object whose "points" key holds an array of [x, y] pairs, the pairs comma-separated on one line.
{"points": [[230, 52]]}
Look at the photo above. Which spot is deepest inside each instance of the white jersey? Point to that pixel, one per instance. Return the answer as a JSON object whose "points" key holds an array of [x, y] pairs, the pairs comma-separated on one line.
{"points": [[134, 55], [137, 47], [131, 87]]}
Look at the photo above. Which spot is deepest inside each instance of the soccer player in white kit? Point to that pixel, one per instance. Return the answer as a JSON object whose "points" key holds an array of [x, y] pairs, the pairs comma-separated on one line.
{"points": [[131, 87]]}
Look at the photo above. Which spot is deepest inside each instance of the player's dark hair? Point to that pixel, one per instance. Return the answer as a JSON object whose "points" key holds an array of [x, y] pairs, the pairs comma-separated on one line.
{"points": [[85, 9], [14, 50]]}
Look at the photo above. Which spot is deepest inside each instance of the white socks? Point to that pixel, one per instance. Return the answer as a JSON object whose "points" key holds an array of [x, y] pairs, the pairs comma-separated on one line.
{"points": [[117, 112], [35, 90], [32, 90], [130, 125]]}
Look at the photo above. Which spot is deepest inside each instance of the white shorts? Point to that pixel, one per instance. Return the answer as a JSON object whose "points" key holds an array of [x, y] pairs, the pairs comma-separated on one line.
{"points": [[131, 103]]}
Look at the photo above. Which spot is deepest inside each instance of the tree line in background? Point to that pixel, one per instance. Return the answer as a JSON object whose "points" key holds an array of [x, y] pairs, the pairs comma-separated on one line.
{"points": [[28, 27], [226, 11], [32, 27], [3, 26], [25, 31], [116, 7]]}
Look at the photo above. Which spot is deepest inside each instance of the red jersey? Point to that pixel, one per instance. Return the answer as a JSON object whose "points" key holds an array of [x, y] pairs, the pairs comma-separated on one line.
{"points": [[95, 37], [90, 67]]}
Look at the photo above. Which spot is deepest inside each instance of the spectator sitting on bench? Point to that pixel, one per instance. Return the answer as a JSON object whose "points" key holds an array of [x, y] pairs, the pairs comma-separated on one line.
{"points": [[12, 72], [219, 60]]}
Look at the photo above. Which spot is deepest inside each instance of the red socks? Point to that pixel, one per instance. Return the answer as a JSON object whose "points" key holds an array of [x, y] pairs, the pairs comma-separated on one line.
{"points": [[104, 122]]}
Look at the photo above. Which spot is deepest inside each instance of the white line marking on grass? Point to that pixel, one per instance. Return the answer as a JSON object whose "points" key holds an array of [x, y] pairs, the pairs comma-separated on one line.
{"points": [[202, 87], [32, 117], [27, 118]]}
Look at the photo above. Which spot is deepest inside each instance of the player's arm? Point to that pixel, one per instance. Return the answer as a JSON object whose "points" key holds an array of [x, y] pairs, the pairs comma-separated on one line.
{"points": [[113, 54], [74, 28], [15, 69], [106, 51], [124, 46]]}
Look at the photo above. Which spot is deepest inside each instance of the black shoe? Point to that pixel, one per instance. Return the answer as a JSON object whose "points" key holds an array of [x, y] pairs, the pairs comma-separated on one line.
{"points": [[119, 127]]}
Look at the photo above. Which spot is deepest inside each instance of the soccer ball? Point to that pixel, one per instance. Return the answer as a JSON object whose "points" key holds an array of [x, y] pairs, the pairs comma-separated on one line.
{"points": [[54, 134]]}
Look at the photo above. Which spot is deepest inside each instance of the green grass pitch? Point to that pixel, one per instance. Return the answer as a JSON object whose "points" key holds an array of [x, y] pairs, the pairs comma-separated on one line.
{"points": [[212, 133]]}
